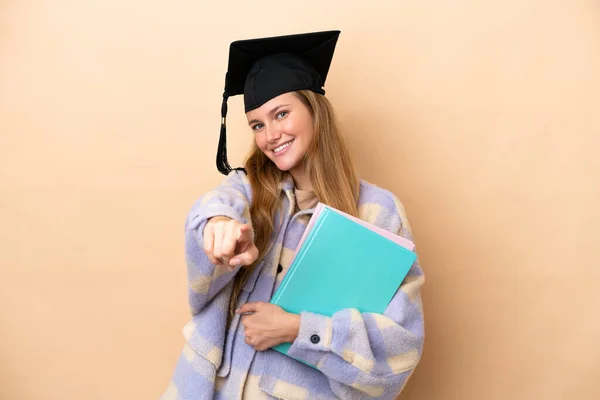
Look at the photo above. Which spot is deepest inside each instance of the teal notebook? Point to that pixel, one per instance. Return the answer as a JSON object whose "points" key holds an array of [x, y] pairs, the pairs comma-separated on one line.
{"points": [[340, 263]]}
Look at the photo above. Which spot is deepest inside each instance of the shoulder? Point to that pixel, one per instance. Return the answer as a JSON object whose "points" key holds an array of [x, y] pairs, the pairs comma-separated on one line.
{"points": [[238, 179], [373, 194], [234, 191], [235, 185], [382, 206]]}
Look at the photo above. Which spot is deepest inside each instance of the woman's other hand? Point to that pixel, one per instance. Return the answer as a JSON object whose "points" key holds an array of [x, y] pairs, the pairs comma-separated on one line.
{"points": [[227, 241], [268, 325]]}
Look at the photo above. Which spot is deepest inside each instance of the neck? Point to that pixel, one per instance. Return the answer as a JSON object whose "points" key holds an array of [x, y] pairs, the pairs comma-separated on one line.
{"points": [[301, 178]]}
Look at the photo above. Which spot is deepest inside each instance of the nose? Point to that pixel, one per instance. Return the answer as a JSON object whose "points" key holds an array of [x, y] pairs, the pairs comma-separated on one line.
{"points": [[273, 133]]}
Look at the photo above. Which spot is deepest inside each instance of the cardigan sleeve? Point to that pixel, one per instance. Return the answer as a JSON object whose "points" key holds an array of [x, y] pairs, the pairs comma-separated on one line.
{"points": [[367, 355], [231, 199]]}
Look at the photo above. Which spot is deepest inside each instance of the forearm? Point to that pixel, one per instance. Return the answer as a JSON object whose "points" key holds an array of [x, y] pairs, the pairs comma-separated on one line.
{"points": [[206, 279], [366, 354]]}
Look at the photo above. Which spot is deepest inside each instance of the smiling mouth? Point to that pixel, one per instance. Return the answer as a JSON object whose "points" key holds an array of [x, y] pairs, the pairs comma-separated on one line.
{"points": [[283, 146]]}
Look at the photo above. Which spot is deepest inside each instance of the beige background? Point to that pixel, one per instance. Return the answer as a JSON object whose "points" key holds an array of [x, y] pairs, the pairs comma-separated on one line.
{"points": [[482, 116]]}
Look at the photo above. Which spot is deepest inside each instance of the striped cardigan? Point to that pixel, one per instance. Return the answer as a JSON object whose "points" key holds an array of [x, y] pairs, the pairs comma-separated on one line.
{"points": [[359, 356]]}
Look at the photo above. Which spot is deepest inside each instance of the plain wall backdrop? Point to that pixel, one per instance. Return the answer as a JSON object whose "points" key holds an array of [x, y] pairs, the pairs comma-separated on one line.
{"points": [[482, 116]]}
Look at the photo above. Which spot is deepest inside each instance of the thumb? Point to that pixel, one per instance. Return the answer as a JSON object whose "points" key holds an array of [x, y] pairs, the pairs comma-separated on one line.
{"points": [[244, 233], [245, 258], [246, 308]]}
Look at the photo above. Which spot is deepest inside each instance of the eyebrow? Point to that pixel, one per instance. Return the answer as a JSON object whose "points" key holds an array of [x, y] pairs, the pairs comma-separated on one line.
{"points": [[270, 112]]}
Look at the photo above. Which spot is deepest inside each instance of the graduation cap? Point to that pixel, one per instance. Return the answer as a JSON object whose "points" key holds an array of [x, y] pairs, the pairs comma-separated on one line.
{"points": [[262, 69]]}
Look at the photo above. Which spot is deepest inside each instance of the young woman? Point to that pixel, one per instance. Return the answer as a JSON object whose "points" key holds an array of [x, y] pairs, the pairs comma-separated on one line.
{"points": [[241, 237]]}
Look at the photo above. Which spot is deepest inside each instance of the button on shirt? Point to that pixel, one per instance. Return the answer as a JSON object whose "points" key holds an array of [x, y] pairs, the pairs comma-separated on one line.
{"points": [[305, 199]]}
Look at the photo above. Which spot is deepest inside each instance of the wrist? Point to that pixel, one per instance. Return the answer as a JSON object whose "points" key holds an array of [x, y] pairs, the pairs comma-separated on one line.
{"points": [[293, 327], [218, 218]]}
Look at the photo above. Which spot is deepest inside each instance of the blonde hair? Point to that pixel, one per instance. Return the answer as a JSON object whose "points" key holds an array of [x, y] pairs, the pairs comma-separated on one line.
{"points": [[331, 170]]}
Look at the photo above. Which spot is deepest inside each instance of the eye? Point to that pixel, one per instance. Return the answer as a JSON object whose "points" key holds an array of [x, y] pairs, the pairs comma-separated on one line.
{"points": [[257, 127], [281, 115]]}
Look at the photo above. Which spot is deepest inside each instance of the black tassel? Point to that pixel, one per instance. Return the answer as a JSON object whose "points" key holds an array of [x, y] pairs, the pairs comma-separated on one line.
{"points": [[222, 163]]}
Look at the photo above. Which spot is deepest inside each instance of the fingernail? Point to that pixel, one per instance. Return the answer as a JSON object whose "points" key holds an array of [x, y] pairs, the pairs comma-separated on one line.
{"points": [[234, 263]]}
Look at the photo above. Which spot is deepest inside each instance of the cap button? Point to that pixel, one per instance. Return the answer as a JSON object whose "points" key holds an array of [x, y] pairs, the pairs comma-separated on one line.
{"points": [[279, 268], [315, 339]]}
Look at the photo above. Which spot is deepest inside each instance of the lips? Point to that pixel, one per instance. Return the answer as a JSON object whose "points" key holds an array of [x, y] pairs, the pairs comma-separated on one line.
{"points": [[282, 147]]}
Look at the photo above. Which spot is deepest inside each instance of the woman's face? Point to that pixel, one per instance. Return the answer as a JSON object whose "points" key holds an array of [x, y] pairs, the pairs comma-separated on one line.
{"points": [[283, 130]]}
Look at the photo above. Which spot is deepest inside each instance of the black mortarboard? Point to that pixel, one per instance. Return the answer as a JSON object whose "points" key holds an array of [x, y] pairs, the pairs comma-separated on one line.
{"points": [[262, 69]]}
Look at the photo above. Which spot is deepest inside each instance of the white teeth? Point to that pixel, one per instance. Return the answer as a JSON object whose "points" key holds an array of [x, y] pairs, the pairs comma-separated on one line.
{"points": [[283, 146]]}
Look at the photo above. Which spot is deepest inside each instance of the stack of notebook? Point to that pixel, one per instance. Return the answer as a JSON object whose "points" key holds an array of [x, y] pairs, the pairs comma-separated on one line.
{"points": [[343, 262]]}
